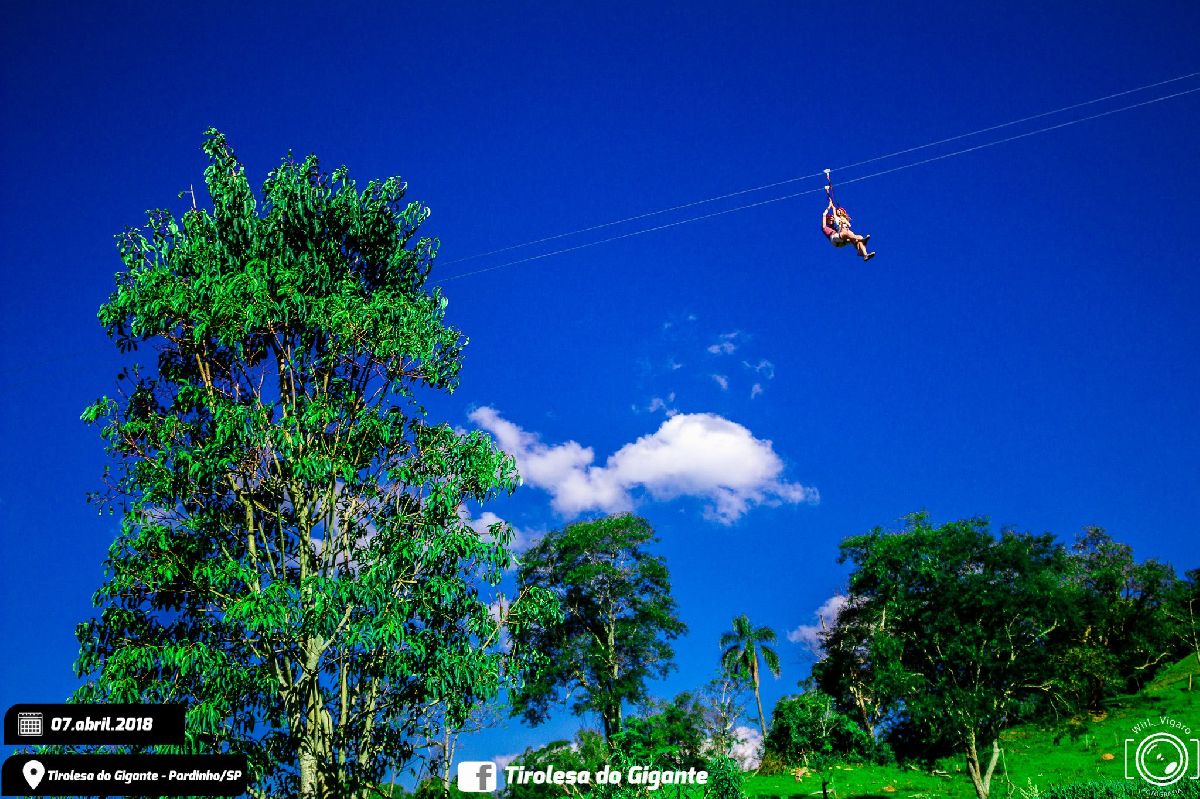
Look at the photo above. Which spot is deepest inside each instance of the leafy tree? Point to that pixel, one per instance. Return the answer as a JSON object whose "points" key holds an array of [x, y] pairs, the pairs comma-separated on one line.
{"points": [[671, 736], [445, 729], [971, 618], [292, 562], [1186, 611], [739, 656], [619, 619], [1122, 628], [808, 729], [722, 708], [859, 652]]}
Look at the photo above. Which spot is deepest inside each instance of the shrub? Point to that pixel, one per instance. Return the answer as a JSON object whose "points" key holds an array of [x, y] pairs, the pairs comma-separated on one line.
{"points": [[724, 779], [808, 730]]}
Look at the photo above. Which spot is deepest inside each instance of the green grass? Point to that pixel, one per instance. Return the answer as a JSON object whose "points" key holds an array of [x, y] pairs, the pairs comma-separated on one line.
{"points": [[1034, 757]]}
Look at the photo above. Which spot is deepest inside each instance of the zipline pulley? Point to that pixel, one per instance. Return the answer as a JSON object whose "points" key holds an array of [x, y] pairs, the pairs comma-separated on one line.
{"points": [[829, 189]]}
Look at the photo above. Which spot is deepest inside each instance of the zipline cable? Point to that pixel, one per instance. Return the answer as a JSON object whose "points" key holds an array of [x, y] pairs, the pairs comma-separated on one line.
{"points": [[689, 220], [1021, 120], [1027, 134], [629, 235], [765, 186]]}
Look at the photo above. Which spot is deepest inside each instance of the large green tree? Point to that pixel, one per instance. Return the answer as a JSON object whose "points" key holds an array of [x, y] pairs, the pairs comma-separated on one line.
{"points": [[740, 649], [292, 561], [1125, 623], [971, 623], [619, 619]]}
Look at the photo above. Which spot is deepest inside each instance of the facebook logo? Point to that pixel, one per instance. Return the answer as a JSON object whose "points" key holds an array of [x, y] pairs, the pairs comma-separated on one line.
{"points": [[477, 776]]}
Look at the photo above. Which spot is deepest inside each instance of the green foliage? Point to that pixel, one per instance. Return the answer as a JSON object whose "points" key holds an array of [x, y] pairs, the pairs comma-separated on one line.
{"points": [[950, 635], [587, 753], [741, 647], [292, 561], [740, 650], [725, 779], [957, 628], [434, 788], [1035, 757], [1123, 789], [619, 619], [808, 730], [673, 737], [722, 709], [1125, 621], [619, 761]]}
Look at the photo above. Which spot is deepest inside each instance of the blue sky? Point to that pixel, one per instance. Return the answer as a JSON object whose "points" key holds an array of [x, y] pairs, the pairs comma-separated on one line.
{"points": [[1024, 347]]}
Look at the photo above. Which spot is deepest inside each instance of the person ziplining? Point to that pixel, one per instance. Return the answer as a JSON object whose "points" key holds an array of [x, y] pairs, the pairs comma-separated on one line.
{"points": [[835, 220], [835, 224]]}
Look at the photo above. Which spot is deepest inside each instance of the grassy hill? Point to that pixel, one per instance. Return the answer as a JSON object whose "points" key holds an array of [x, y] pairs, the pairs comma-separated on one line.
{"points": [[1035, 758]]}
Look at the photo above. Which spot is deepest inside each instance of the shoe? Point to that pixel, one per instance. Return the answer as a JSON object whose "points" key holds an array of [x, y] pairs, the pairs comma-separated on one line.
{"points": [[866, 238], [868, 257]]}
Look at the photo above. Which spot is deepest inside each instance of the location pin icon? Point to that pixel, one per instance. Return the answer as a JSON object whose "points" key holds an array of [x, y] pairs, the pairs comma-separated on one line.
{"points": [[33, 771]]}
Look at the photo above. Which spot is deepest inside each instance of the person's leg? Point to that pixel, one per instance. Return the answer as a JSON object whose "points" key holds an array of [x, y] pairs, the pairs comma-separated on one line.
{"points": [[861, 246]]}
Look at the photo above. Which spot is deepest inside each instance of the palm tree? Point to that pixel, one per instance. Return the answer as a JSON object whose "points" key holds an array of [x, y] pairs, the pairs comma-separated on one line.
{"points": [[739, 656]]}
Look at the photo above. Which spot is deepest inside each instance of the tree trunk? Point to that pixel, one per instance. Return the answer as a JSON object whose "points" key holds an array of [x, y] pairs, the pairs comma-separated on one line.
{"points": [[612, 715], [1195, 639], [316, 731], [981, 778], [447, 759], [762, 720], [308, 775]]}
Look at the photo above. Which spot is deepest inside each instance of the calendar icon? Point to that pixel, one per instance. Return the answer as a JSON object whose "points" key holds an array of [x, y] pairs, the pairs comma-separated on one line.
{"points": [[29, 724]]}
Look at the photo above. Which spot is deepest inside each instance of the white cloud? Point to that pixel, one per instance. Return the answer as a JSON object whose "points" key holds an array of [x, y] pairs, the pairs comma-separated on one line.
{"points": [[722, 381], [755, 390], [502, 761], [663, 404], [748, 749], [482, 525], [763, 367], [725, 343], [827, 614], [690, 455], [673, 364]]}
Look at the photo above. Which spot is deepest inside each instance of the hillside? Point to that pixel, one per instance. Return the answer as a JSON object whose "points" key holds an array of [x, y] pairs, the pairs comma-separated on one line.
{"points": [[1035, 758]]}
